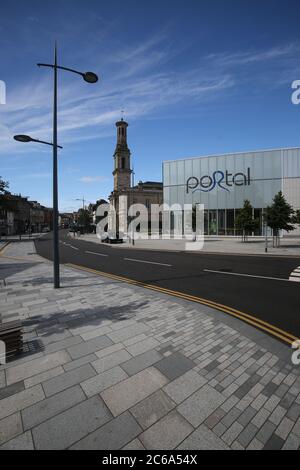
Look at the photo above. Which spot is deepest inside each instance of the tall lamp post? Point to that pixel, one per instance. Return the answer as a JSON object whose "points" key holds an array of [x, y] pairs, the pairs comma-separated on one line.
{"points": [[89, 77]]}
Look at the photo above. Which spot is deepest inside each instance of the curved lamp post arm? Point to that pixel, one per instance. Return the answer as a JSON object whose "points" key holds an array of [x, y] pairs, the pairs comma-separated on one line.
{"points": [[89, 77], [60, 67], [46, 143]]}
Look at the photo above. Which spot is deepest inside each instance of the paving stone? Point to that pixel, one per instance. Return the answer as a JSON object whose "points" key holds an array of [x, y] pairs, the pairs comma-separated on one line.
{"points": [[134, 445], [201, 404], [203, 439], [232, 433], [109, 350], [175, 365], [103, 381], [21, 400], [63, 430], [39, 378], [79, 362], [247, 435], [113, 435], [142, 361], [11, 389], [40, 412], [68, 379], [274, 443], [54, 336], [159, 436], [126, 394], [88, 347], [184, 386], [284, 428], [112, 360], [291, 443], [129, 332], [36, 366], [152, 408], [95, 333], [255, 444], [22, 442], [63, 344], [266, 432], [142, 346], [10, 427]]}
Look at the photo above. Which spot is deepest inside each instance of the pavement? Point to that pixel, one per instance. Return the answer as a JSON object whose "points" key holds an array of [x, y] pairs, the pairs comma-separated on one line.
{"points": [[289, 246], [108, 365]]}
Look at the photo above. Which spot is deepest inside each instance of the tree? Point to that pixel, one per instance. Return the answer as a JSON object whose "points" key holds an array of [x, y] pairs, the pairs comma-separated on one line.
{"points": [[279, 216], [84, 219], [4, 194], [244, 220]]}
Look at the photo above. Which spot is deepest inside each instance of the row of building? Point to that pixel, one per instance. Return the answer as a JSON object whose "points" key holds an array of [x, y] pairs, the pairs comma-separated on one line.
{"points": [[18, 215], [220, 182]]}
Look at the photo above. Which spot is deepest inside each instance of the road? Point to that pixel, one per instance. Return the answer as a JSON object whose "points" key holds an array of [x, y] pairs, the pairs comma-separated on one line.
{"points": [[257, 286]]}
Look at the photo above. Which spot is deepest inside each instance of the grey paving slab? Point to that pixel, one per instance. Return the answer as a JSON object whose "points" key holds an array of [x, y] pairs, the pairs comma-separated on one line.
{"points": [[134, 445], [201, 404], [79, 362], [36, 366], [2, 379], [88, 347], [126, 394], [61, 431], [21, 400], [203, 439], [142, 346], [111, 360], [63, 344], [159, 436], [142, 361], [184, 386], [22, 442], [274, 443], [126, 333], [103, 381], [43, 376], [152, 408], [10, 427], [12, 389], [68, 379], [174, 365], [46, 409], [113, 435]]}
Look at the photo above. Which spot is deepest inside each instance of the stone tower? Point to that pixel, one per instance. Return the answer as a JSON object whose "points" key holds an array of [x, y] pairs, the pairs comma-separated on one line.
{"points": [[122, 171]]}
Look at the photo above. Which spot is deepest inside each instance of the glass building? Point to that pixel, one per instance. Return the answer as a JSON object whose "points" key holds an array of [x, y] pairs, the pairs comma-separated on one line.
{"points": [[223, 182]]}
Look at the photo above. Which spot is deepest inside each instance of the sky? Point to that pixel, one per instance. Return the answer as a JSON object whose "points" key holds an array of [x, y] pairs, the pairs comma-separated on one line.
{"points": [[194, 77]]}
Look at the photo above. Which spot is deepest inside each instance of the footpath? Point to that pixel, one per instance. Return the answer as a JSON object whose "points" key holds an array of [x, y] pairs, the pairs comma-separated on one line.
{"points": [[108, 365]]}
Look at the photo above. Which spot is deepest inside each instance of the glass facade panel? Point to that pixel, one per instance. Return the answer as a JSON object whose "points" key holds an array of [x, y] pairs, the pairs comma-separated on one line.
{"points": [[230, 222], [221, 222], [213, 223]]}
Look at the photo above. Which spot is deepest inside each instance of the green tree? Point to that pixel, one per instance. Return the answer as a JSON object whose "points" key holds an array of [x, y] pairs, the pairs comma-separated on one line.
{"points": [[84, 220], [4, 194], [279, 216], [244, 220]]}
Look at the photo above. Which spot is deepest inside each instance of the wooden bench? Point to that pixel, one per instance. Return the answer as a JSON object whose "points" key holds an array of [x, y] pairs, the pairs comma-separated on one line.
{"points": [[11, 334]]}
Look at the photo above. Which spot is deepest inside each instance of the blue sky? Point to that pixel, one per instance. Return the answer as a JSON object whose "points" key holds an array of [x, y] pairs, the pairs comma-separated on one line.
{"points": [[195, 77]]}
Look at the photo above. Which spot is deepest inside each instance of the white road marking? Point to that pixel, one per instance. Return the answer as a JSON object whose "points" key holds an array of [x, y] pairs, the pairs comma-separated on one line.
{"points": [[94, 253], [147, 262], [246, 275], [295, 275], [74, 247]]}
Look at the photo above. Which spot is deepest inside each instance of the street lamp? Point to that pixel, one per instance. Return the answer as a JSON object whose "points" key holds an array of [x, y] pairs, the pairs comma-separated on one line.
{"points": [[89, 77]]}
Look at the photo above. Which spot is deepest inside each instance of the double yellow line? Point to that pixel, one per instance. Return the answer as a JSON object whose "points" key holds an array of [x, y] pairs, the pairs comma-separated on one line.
{"points": [[3, 248], [262, 325]]}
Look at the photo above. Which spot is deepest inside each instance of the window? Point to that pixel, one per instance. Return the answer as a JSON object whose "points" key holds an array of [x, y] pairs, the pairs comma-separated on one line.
{"points": [[123, 163]]}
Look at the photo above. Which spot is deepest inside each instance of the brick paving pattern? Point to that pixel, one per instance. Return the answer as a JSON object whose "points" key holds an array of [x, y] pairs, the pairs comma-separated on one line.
{"points": [[112, 366]]}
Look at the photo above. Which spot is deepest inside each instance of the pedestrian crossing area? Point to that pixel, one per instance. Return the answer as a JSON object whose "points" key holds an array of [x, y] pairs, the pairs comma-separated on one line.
{"points": [[295, 275]]}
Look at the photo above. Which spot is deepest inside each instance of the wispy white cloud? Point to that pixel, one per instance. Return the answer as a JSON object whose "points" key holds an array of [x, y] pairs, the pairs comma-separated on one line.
{"points": [[138, 81], [93, 179]]}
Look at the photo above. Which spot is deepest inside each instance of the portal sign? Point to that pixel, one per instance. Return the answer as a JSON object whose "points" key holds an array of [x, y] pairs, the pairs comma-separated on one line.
{"points": [[219, 179]]}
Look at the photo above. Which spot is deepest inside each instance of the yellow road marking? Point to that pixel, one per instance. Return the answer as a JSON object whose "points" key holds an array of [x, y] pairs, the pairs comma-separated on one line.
{"points": [[260, 324], [4, 248]]}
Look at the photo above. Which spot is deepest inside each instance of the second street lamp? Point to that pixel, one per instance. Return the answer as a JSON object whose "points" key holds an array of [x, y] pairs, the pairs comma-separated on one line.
{"points": [[88, 77]]}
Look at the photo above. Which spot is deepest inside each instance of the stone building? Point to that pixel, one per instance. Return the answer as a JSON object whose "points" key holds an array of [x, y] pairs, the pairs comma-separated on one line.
{"points": [[125, 193]]}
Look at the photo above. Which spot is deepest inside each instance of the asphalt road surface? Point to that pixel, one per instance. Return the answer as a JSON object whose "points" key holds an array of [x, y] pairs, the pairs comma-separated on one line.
{"points": [[255, 285]]}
